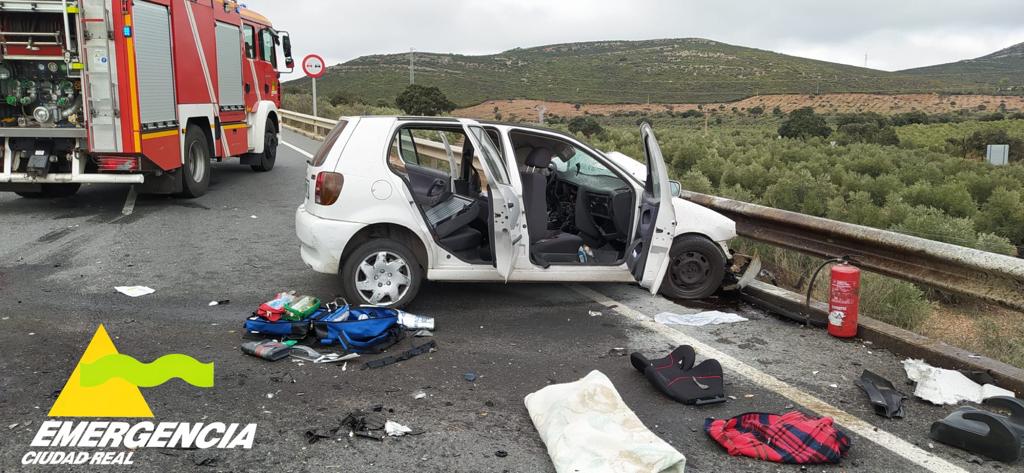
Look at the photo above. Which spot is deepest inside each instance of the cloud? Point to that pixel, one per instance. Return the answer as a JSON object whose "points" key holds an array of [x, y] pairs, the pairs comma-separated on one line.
{"points": [[895, 34]]}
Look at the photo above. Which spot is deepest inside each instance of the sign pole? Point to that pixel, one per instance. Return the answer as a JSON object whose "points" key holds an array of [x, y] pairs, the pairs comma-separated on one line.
{"points": [[314, 67]]}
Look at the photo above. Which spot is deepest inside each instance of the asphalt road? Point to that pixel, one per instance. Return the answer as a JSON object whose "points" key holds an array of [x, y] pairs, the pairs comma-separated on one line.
{"points": [[60, 260]]}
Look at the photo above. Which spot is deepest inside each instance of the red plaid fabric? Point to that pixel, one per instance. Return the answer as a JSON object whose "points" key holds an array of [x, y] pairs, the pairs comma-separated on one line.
{"points": [[792, 437]]}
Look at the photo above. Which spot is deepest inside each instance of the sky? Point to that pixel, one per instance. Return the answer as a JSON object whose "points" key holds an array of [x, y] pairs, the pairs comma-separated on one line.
{"points": [[894, 34]]}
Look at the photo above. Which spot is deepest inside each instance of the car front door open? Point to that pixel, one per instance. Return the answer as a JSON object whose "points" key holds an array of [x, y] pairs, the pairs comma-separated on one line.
{"points": [[505, 212], [648, 255]]}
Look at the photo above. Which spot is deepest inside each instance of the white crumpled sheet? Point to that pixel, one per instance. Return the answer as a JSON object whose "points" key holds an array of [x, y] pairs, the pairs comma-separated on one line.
{"points": [[712, 317], [588, 428], [942, 386]]}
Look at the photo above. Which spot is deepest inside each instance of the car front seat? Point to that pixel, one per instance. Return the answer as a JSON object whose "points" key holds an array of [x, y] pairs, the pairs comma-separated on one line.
{"points": [[546, 246]]}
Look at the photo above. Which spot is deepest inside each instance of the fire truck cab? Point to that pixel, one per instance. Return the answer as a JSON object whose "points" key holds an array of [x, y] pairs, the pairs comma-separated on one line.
{"points": [[141, 92]]}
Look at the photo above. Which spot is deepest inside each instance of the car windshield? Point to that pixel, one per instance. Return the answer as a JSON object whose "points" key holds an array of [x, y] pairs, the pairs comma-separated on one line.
{"points": [[587, 165]]}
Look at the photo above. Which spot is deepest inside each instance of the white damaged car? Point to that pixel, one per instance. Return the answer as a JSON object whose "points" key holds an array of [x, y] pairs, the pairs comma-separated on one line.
{"points": [[393, 201]]}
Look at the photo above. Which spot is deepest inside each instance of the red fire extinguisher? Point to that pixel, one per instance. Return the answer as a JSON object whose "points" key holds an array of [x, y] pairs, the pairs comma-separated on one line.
{"points": [[843, 300]]}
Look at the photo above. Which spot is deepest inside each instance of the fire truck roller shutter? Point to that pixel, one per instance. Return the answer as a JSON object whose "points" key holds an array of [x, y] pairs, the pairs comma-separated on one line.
{"points": [[229, 67], [154, 66]]}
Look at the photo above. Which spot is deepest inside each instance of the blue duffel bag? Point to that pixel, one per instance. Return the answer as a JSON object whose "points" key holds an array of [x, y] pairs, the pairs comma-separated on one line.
{"points": [[281, 329], [360, 329]]}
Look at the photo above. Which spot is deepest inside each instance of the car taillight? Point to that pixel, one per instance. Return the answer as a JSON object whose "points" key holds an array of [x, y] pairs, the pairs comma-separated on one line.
{"points": [[117, 163], [328, 187]]}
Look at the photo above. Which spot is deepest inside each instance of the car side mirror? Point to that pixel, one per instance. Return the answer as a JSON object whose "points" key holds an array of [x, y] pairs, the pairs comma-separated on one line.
{"points": [[289, 63], [676, 187]]}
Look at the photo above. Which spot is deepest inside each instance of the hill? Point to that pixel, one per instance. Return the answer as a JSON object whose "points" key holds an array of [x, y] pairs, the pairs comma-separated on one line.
{"points": [[659, 71], [1000, 72]]}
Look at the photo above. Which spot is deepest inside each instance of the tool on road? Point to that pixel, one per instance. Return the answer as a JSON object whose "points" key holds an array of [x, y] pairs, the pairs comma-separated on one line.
{"points": [[677, 377], [887, 401], [978, 431]]}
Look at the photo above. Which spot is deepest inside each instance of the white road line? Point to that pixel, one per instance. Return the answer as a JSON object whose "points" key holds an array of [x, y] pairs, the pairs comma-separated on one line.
{"points": [[301, 151], [129, 202], [882, 438]]}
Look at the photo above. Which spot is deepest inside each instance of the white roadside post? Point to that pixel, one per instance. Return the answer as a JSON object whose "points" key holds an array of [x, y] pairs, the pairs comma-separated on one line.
{"points": [[314, 67]]}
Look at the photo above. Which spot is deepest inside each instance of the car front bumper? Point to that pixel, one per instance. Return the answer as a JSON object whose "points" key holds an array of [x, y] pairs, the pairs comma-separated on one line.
{"points": [[322, 240]]}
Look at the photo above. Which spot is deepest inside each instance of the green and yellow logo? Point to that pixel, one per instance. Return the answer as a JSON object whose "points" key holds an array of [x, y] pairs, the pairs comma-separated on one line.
{"points": [[106, 383]]}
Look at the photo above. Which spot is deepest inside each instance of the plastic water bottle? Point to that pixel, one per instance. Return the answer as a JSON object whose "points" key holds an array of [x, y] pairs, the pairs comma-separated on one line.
{"points": [[415, 322], [582, 254]]}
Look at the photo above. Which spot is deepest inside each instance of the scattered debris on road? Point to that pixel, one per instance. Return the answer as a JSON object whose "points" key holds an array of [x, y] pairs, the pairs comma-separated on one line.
{"points": [[941, 386], [216, 303], [792, 437], [470, 376], [701, 319], [587, 427], [886, 400], [676, 376], [394, 429], [134, 291], [982, 432]]}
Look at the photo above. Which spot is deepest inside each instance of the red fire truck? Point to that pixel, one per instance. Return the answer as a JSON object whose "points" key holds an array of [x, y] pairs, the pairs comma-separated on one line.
{"points": [[141, 92]]}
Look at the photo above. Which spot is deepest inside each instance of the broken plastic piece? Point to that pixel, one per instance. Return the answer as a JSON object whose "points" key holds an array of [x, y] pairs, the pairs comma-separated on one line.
{"points": [[134, 291], [394, 429], [941, 386], [887, 401], [977, 431]]}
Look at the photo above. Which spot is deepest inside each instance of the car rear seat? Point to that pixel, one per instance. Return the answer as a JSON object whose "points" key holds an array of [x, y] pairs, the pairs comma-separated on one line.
{"points": [[450, 220]]}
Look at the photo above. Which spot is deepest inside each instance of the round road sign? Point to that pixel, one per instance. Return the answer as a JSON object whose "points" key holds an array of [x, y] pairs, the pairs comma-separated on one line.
{"points": [[314, 66]]}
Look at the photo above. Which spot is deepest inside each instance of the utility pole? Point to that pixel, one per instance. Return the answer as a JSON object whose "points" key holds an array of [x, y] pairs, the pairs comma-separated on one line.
{"points": [[412, 66], [707, 114]]}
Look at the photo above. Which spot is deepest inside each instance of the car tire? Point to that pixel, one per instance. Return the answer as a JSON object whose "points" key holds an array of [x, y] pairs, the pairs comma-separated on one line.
{"points": [[266, 159], [53, 191], [391, 276], [696, 268], [195, 171]]}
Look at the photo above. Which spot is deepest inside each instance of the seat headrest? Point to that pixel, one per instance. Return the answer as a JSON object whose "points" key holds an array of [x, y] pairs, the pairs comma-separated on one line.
{"points": [[540, 158]]}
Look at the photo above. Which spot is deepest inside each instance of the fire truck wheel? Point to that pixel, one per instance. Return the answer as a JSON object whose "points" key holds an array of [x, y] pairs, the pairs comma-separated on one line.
{"points": [[52, 191], [195, 174], [269, 156], [695, 270]]}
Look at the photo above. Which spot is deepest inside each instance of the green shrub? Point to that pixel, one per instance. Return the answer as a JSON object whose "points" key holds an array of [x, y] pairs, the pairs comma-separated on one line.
{"points": [[804, 123], [933, 224], [695, 181]]}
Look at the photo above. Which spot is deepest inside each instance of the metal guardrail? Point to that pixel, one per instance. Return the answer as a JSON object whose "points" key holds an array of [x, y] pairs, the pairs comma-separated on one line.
{"points": [[317, 126], [989, 277]]}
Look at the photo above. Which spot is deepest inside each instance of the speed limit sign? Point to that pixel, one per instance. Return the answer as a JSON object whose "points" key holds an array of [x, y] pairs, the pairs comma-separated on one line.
{"points": [[314, 66]]}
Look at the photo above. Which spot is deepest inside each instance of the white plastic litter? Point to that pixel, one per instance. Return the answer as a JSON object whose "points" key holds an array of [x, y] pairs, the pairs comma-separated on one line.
{"points": [[134, 291], [712, 317], [394, 429], [942, 386]]}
